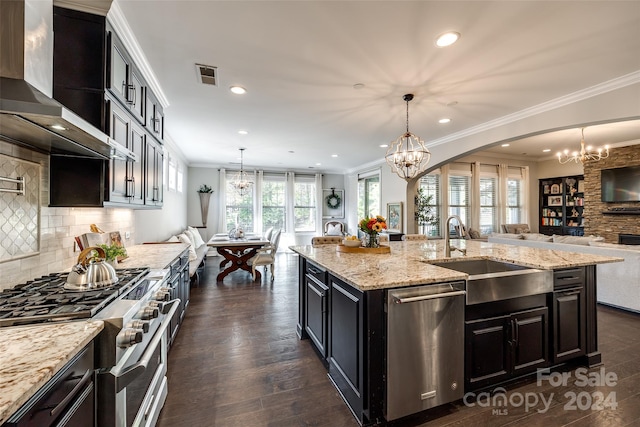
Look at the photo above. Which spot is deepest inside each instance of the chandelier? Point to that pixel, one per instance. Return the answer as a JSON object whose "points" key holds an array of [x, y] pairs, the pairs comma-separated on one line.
{"points": [[585, 154], [408, 156], [240, 181]]}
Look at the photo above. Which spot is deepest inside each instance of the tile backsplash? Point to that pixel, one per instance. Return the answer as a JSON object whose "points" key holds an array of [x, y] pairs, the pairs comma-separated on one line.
{"points": [[58, 226]]}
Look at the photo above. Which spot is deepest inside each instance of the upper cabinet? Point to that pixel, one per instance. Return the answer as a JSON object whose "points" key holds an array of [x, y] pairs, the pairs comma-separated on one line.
{"points": [[124, 80], [97, 79]]}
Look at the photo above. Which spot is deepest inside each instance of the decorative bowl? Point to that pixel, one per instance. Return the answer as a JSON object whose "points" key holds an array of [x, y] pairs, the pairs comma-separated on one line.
{"points": [[351, 243]]}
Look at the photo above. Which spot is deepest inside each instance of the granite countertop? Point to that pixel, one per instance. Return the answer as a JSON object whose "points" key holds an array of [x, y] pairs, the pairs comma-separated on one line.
{"points": [[154, 256], [408, 262], [31, 356]]}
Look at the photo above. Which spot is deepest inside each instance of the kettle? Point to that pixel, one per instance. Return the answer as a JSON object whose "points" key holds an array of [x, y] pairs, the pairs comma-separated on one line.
{"points": [[91, 272]]}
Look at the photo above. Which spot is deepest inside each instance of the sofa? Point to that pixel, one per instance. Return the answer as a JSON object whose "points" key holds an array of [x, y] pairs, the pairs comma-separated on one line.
{"points": [[618, 284], [197, 251]]}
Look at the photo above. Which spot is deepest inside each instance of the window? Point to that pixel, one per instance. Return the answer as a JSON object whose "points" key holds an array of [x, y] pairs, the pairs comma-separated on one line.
{"points": [[488, 204], [304, 208], [431, 186], [273, 202], [369, 196], [239, 210], [459, 199], [515, 206]]}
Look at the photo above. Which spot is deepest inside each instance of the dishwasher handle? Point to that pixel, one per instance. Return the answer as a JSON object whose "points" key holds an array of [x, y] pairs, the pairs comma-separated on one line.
{"points": [[428, 297]]}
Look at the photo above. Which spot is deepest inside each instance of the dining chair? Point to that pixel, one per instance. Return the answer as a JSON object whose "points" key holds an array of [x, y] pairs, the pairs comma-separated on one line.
{"points": [[415, 237], [268, 233], [325, 240], [266, 255]]}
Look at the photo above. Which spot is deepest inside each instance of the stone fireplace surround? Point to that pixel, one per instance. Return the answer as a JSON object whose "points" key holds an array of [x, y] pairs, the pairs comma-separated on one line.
{"points": [[597, 223]]}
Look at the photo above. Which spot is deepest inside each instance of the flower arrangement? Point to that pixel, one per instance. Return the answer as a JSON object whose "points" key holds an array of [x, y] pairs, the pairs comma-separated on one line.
{"points": [[372, 227]]}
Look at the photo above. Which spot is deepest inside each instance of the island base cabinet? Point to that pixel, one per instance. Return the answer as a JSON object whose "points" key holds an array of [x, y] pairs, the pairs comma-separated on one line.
{"points": [[316, 314], [346, 348], [568, 315], [504, 347]]}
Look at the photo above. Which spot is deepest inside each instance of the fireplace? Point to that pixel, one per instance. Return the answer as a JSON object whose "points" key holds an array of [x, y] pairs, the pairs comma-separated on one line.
{"points": [[629, 239]]}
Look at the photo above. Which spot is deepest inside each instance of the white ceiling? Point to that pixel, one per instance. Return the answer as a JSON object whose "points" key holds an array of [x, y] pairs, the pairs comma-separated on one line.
{"points": [[299, 61]]}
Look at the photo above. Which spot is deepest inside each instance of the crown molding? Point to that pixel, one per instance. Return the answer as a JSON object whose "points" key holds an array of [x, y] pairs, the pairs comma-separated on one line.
{"points": [[95, 7], [117, 19], [581, 95]]}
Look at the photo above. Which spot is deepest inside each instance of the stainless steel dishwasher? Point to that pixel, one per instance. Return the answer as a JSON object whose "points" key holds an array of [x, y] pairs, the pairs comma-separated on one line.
{"points": [[425, 348]]}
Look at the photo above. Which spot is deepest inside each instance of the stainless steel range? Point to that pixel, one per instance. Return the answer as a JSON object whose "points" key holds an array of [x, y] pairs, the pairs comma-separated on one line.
{"points": [[131, 351]]}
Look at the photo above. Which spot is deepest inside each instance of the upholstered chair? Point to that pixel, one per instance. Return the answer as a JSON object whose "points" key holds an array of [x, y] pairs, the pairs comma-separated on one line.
{"points": [[334, 228], [266, 255], [415, 237], [325, 240]]}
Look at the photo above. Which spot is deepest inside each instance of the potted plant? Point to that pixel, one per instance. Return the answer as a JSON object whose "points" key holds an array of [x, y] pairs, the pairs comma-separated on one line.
{"points": [[424, 214], [205, 196], [112, 252]]}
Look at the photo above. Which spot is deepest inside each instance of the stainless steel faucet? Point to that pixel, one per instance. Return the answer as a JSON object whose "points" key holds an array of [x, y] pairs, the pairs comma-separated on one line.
{"points": [[447, 244]]}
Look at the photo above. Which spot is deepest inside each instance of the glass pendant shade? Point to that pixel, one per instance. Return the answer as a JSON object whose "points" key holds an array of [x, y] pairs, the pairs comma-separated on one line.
{"points": [[240, 180]]}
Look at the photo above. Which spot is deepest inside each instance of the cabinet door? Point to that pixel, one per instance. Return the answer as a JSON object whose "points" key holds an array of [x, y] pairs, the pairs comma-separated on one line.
{"points": [[569, 324], [530, 340], [155, 116], [137, 102], [153, 182], [488, 351], [136, 169], [119, 184], [174, 292], [316, 313], [346, 343], [118, 81]]}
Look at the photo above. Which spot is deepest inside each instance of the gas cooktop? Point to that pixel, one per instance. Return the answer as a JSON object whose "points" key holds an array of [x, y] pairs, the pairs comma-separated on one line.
{"points": [[46, 300]]}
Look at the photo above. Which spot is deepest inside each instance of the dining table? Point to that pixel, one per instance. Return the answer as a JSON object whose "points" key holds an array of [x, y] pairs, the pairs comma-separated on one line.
{"points": [[236, 253]]}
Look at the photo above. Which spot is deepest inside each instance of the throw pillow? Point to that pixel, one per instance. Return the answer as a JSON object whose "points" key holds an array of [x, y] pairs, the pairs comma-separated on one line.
{"points": [[521, 230], [334, 230], [173, 239], [507, 236], [474, 234], [577, 240], [192, 251], [197, 239]]}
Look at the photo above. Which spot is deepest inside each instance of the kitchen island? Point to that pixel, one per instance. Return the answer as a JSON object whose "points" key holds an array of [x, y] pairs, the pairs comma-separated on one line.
{"points": [[344, 309]]}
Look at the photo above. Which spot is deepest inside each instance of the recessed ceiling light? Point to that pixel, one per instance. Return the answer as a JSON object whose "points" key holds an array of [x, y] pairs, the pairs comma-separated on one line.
{"points": [[384, 145], [546, 150], [58, 127], [243, 132], [358, 85], [318, 164], [238, 90], [445, 120], [334, 155], [447, 39], [504, 145], [291, 151]]}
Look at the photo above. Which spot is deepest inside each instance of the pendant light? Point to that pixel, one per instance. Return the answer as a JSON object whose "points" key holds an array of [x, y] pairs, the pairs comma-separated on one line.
{"points": [[585, 154], [408, 156], [241, 181]]}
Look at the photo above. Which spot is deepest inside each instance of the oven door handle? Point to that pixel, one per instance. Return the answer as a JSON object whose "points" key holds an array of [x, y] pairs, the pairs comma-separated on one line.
{"points": [[130, 373]]}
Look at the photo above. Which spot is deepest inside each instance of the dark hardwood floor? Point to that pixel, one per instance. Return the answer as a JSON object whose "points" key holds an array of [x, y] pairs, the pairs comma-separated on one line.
{"points": [[238, 362]]}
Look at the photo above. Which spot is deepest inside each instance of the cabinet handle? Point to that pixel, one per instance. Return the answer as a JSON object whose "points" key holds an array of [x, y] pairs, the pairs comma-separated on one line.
{"points": [[63, 404], [131, 100], [568, 278], [514, 332], [313, 270], [156, 124], [566, 294], [133, 186]]}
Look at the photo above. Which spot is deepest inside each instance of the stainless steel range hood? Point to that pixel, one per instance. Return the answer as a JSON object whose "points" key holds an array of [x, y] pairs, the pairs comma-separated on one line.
{"points": [[28, 115]]}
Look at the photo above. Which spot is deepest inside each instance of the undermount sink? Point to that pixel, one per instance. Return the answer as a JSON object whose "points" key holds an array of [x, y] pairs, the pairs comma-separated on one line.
{"points": [[491, 280]]}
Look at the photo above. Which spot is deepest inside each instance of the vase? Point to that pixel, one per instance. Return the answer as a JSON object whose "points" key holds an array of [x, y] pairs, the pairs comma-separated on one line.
{"points": [[372, 240], [204, 207]]}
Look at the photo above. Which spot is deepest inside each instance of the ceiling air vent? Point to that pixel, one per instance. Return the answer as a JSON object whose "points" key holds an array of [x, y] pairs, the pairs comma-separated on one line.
{"points": [[207, 74]]}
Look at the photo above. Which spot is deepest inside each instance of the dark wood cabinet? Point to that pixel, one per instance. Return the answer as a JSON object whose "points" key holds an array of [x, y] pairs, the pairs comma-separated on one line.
{"points": [[487, 352], [179, 288], [154, 158], [568, 315], [124, 80], [155, 116], [346, 343], [506, 346], [96, 78], [562, 205], [316, 307], [126, 178]]}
